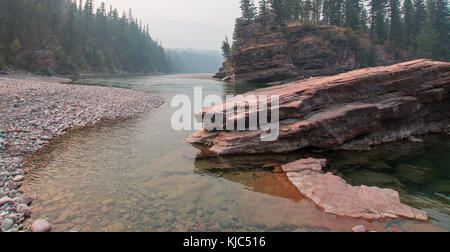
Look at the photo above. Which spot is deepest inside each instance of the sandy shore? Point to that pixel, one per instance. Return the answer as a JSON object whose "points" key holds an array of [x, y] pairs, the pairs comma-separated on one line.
{"points": [[33, 111]]}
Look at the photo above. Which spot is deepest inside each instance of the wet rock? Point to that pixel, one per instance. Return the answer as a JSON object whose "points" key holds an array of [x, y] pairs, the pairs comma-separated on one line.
{"points": [[415, 174], [359, 229], [414, 139], [41, 226], [335, 196], [351, 111]]}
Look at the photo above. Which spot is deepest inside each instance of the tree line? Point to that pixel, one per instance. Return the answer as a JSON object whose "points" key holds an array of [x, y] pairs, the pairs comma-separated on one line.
{"points": [[79, 36], [413, 28]]}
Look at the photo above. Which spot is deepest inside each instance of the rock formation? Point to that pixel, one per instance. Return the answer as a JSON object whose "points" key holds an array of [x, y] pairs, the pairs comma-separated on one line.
{"points": [[335, 196], [354, 111], [266, 52]]}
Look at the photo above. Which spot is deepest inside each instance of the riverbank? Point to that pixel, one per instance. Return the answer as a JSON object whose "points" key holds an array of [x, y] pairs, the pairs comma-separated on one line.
{"points": [[33, 112]]}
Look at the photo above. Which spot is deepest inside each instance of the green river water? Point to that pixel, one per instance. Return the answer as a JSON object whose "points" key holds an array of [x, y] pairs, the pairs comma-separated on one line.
{"points": [[139, 175]]}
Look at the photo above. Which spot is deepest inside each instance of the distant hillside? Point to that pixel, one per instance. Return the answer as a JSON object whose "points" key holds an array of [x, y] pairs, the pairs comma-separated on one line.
{"points": [[195, 61], [64, 37]]}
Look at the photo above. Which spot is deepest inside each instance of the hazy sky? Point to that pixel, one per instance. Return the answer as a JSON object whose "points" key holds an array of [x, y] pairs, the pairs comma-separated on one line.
{"points": [[198, 24]]}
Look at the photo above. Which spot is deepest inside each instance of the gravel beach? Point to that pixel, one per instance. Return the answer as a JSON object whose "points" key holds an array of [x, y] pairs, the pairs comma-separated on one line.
{"points": [[32, 112]]}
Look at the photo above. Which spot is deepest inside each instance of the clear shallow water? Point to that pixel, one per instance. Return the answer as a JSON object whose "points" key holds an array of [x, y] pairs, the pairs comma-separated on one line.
{"points": [[139, 175]]}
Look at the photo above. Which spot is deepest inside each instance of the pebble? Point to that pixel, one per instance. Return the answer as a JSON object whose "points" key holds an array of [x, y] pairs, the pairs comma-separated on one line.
{"points": [[34, 112], [41, 226], [18, 178], [6, 200], [7, 224], [359, 229], [11, 185]]}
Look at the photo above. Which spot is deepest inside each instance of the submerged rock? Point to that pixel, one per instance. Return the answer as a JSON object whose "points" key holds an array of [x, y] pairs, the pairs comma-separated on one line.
{"points": [[335, 196], [415, 174], [351, 111]]}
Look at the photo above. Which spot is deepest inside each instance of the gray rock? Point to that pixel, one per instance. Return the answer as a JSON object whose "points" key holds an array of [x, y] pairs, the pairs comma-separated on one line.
{"points": [[4, 174], [6, 200], [7, 224]]}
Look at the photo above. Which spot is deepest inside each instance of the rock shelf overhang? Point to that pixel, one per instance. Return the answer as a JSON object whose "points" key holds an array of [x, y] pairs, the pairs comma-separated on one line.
{"points": [[352, 111]]}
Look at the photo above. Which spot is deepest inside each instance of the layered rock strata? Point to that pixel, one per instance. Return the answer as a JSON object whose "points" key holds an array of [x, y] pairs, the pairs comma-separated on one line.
{"points": [[352, 111]]}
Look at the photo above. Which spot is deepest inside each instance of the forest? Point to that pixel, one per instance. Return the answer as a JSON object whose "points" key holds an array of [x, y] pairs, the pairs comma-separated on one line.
{"points": [[67, 37], [412, 28], [195, 61]]}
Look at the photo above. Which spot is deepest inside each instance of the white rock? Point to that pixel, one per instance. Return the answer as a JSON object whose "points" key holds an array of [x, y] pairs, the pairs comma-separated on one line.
{"points": [[18, 178]]}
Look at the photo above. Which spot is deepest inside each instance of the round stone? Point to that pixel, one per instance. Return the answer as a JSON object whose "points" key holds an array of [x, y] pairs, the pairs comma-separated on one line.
{"points": [[359, 229], [41, 226]]}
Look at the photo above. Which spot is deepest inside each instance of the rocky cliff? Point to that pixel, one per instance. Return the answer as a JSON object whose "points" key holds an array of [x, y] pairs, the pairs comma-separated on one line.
{"points": [[266, 52], [353, 110]]}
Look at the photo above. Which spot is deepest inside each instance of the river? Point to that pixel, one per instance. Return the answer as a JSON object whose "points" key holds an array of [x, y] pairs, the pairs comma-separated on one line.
{"points": [[139, 175]]}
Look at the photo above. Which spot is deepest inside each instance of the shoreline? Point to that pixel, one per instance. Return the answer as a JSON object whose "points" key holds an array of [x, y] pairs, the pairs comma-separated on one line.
{"points": [[35, 112]]}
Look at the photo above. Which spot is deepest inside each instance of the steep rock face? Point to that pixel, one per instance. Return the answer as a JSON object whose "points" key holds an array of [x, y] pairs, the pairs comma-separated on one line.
{"points": [[335, 196], [354, 110], [266, 52]]}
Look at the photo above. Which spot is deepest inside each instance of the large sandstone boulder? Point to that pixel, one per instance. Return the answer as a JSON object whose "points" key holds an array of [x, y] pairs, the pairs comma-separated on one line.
{"points": [[354, 110], [335, 196]]}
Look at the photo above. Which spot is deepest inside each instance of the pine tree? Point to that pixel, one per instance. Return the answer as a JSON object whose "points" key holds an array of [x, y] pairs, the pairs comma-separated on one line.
{"points": [[263, 8], [378, 25], [440, 23], [408, 26], [333, 12], [395, 27], [419, 19], [248, 10], [352, 14], [364, 19], [279, 9], [226, 49]]}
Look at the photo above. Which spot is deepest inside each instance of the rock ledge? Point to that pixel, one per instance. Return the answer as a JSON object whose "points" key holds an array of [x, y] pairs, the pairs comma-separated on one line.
{"points": [[335, 196]]}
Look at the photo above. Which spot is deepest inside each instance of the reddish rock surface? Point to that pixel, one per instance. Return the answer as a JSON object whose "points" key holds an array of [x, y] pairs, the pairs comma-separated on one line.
{"points": [[352, 111], [335, 196], [266, 52]]}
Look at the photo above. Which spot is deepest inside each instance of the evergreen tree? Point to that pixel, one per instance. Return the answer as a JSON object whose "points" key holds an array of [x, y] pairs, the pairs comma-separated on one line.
{"points": [[364, 19], [378, 24], [263, 8], [352, 14], [226, 49], [333, 12], [248, 10], [440, 23], [79, 37], [279, 9], [419, 19], [408, 25], [395, 27]]}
